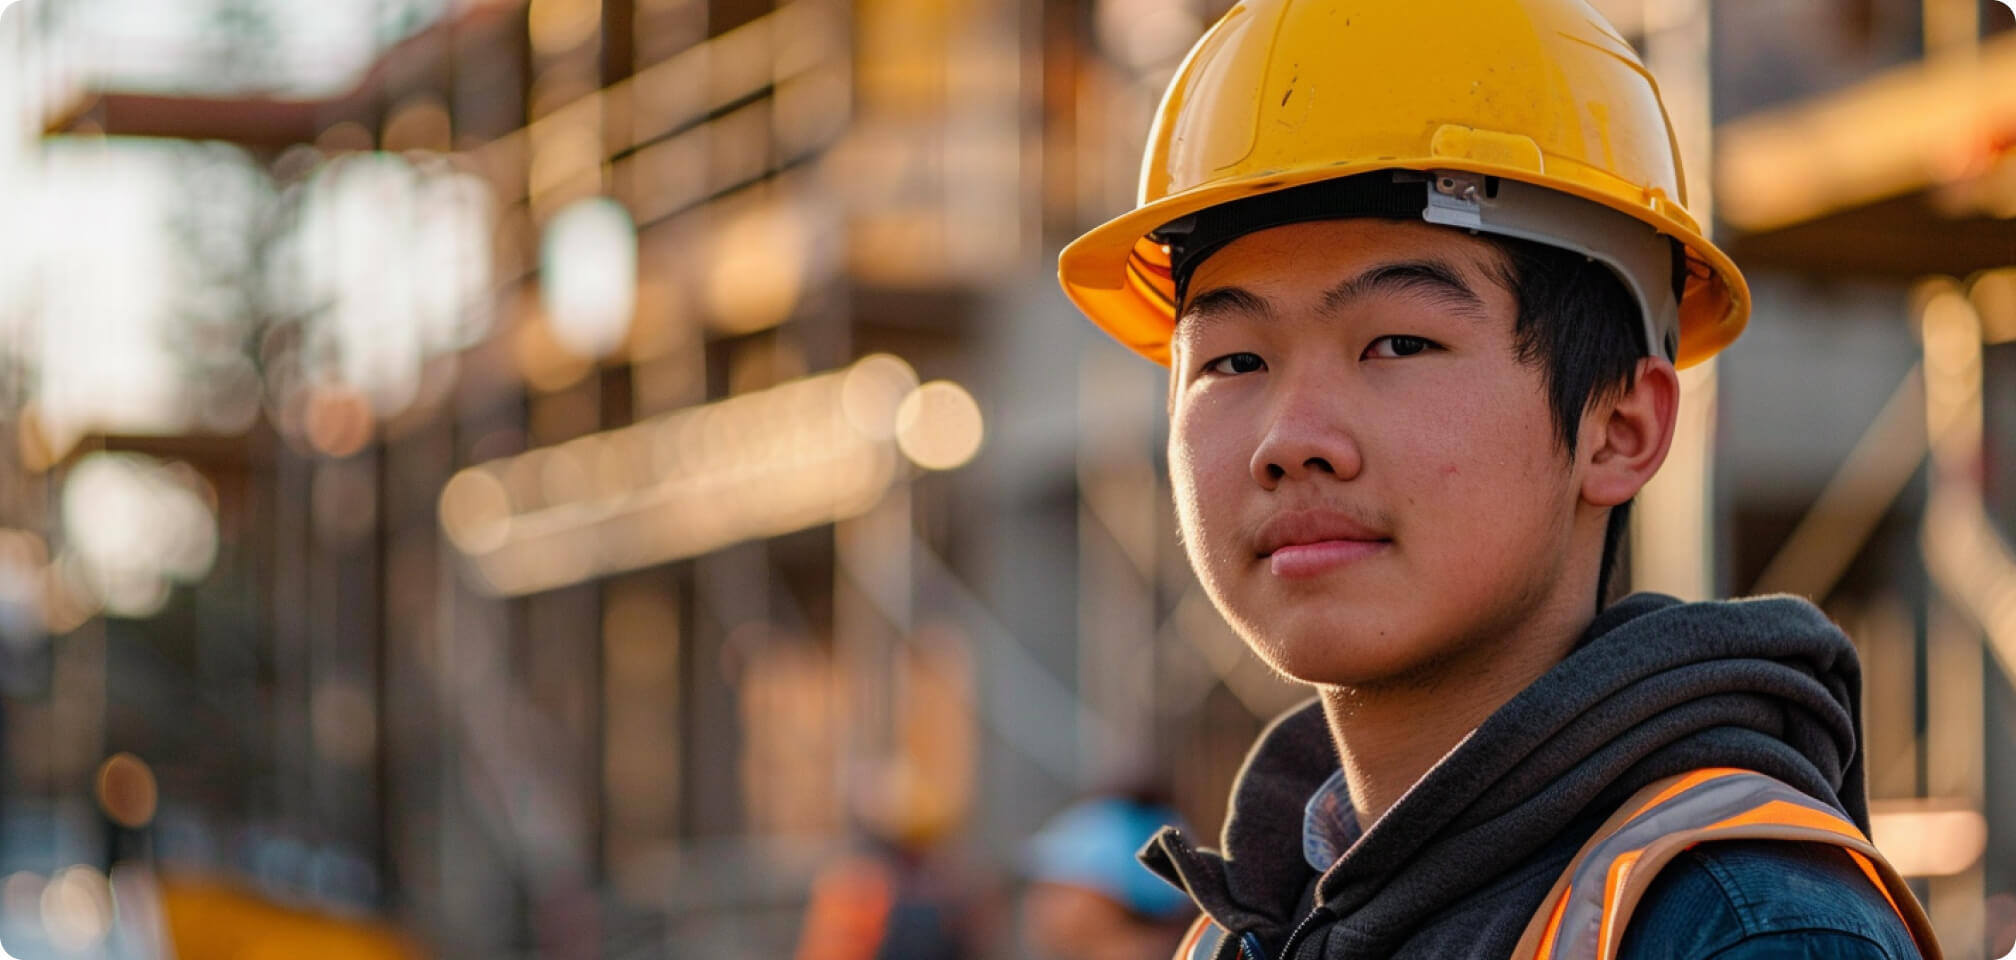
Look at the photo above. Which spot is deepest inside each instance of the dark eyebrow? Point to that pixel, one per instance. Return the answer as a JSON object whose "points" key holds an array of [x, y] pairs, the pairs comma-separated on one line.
{"points": [[1222, 300], [1435, 279]]}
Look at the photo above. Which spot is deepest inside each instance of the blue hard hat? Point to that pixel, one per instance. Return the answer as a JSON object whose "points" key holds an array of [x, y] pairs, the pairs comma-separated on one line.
{"points": [[1092, 845]]}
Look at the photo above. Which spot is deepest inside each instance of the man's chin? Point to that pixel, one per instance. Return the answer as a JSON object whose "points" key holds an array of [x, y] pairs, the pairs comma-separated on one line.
{"points": [[1344, 657]]}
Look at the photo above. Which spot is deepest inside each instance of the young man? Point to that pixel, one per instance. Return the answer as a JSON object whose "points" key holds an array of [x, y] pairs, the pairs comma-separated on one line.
{"points": [[1422, 273]]}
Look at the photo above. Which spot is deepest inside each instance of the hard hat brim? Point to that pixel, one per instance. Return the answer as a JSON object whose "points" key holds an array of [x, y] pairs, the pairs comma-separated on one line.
{"points": [[1119, 276]]}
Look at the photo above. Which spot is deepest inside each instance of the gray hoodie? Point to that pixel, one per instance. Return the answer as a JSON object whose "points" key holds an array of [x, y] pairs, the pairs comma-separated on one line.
{"points": [[1654, 688]]}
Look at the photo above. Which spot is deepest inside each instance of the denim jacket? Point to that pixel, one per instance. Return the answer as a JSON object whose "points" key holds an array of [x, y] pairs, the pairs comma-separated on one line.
{"points": [[1765, 900]]}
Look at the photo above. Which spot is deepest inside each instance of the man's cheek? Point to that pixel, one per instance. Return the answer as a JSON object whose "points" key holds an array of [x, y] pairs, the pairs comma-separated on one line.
{"points": [[1194, 503]]}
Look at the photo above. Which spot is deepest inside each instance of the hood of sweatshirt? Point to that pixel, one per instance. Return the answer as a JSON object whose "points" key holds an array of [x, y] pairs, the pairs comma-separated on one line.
{"points": [[1653, 688]]}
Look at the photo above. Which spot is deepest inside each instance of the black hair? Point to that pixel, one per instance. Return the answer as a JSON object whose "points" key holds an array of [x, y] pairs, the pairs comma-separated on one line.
{"points": [[1580, 325]]}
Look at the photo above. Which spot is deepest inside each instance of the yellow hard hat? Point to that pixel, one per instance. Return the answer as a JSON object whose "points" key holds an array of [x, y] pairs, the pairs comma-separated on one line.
{"points": [[1524, 118]]}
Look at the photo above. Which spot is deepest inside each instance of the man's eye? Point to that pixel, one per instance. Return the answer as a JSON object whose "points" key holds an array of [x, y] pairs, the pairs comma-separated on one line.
{"points": [[1398, 345], [1235, 363]]}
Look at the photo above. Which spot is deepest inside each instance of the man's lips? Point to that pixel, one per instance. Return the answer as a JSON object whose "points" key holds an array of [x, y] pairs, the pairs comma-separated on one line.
{"points": [[1304, 560], [1304, 543], [1294, 528]]}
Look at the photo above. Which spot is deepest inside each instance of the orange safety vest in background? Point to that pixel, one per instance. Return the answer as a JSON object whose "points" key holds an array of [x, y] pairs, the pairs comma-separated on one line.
{"points": [[1584, 915]]}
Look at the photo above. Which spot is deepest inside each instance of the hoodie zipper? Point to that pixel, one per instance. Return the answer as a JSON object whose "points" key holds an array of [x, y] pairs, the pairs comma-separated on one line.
{"points": [[1294, 939], [1249, 942]]}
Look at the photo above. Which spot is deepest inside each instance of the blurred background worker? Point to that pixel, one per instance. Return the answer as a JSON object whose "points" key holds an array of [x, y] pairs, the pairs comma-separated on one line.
{"points": [[502, 465], [1088, 897], [907, 892], [894, 899]]}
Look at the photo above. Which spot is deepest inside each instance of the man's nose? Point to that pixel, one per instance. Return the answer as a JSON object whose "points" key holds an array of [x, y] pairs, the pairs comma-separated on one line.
{"points": [[1308, 437]]}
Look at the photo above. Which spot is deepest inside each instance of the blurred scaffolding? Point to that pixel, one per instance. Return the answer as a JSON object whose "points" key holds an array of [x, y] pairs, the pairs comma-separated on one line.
{"points": [[551, 476]]}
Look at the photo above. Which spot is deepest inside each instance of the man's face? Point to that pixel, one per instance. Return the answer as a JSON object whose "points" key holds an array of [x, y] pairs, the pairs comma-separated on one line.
{"points": [[1370, 484]]}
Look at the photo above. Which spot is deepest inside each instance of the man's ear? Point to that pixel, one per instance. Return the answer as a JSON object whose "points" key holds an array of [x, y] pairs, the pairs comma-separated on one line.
{"points": [[1626, 438]]}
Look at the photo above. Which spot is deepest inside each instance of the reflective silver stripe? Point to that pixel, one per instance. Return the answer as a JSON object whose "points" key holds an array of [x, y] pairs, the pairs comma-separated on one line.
{"points": [[1699, 806]]}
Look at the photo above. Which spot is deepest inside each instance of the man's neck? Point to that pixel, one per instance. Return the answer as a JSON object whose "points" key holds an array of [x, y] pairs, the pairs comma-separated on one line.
{"points": [[1388, 737]]}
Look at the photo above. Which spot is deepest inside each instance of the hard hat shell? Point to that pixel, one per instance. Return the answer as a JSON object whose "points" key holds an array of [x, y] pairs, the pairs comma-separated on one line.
{"points": [[1281, 93]]}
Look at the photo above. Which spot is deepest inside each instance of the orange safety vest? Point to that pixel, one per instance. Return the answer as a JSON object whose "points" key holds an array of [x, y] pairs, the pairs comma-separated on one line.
{"points": [[1584, 915]]}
